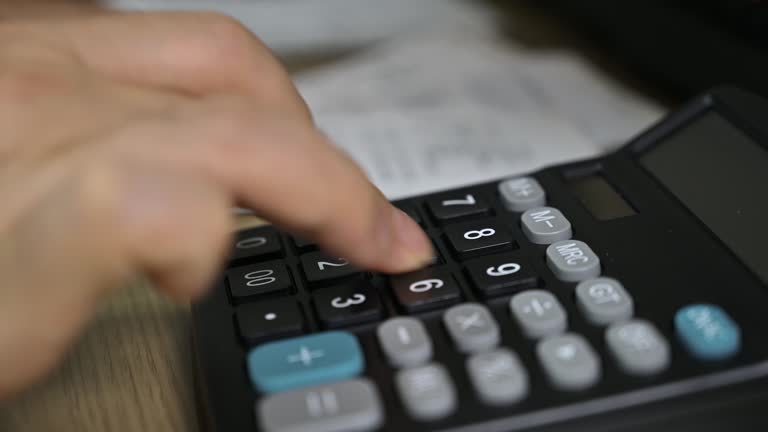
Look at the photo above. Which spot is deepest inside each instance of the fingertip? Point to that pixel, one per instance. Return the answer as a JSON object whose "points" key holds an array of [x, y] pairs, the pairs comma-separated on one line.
{"points": [[412, 249]]}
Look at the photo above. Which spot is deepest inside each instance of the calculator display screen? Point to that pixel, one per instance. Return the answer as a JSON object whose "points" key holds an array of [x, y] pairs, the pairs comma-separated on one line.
{"points": [[721, 175]]}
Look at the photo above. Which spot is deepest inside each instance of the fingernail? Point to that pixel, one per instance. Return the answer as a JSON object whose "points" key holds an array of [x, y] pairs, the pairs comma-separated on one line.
{"points": [[415, 248]]}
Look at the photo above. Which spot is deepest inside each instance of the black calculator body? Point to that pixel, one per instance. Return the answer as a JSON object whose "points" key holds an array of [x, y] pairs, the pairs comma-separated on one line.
{"points": [[626, 292]]}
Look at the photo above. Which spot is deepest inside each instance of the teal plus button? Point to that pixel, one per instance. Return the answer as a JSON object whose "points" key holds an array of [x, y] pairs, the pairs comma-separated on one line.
{"points": [[305, 361], [707, 332]]}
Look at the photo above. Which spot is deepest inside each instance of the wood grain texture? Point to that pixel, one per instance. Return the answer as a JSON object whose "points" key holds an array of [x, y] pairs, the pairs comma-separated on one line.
{"points": [[130, 372]]}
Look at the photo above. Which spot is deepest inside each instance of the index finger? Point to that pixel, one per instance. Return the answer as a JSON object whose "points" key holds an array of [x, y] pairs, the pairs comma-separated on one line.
{"points": [[288, 173]]}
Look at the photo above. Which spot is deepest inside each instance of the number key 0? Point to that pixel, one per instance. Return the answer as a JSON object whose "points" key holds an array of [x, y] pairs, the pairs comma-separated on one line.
{"points": [[258, 279], [256, 243], [477, 238]]}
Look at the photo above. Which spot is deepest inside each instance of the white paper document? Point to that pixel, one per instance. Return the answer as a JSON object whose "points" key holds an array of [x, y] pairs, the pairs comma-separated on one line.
{"points": [[441, 110]]}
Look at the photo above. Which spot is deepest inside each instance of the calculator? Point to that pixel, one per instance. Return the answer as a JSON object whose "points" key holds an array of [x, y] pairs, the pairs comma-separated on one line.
{"points": [[626, 292]]}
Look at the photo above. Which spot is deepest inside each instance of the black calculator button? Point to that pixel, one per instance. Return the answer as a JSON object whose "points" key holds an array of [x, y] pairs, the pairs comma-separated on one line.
{"points": [[352, 303], [425, 289], [478, 238], [268, 319], [258, 279], [319, 267], [411, 212], [256, 243], [456, 205], [303, 244], [501, 274]]}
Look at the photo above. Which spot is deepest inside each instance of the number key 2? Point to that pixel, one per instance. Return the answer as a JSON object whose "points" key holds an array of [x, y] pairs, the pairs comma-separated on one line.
{"points": [[501, 274], [425, 289], [354, 302], [478, 238], [456, 205], [258, 279], [319, 267]]}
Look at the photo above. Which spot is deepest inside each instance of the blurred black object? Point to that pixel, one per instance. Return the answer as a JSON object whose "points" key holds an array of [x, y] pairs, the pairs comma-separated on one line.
{"points": [[685, 46]]}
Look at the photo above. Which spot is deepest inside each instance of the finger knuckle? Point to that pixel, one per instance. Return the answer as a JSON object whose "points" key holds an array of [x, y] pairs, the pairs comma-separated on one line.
{"points": [[227, 45], [226, 39]]}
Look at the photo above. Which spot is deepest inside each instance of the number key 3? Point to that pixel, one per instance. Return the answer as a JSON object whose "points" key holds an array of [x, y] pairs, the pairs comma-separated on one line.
{"points": [[478, 238], [258, 279], [351, 303]]}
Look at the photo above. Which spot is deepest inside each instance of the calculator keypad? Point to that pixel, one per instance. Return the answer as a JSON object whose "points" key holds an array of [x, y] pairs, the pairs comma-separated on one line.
{"points": [[268, 320], [425, 289], [545, 225], [708, 332], [352, 405], [427, 392], [256, 243], [498, 376], [569, 362], [604, 301], [639, 348], [501, 274], [472, 327], [538, 313], [351, 303], [405, 342], [522, 193], [515, 294], [305, 361], [572, 261], [476, 238], [453, 206], [319, 267], [258, 279]]}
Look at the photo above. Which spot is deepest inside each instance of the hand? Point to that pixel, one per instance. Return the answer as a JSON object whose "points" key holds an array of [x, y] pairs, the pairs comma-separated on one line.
{"points": [[124, 142]]}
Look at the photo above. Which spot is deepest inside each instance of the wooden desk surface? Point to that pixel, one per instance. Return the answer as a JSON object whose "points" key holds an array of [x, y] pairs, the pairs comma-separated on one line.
{"points": [[131, 371]]}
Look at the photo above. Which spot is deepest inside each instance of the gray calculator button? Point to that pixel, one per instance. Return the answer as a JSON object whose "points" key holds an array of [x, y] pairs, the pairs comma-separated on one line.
{"points": [[472, 327], [405, 342], [545, 225], [604, 301], [521, 193], [498, 377], [569, 362], [538, 313], [572, 261], [638, 347], [427, 392], [343, 406]]}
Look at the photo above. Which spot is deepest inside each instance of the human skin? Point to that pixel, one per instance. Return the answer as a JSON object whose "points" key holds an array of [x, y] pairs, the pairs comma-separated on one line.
{"points": [[125, 140]]}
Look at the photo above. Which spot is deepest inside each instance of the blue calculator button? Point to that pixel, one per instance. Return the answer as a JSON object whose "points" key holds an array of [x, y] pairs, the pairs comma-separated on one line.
{"points": [[305, 361], [708, 332]]}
